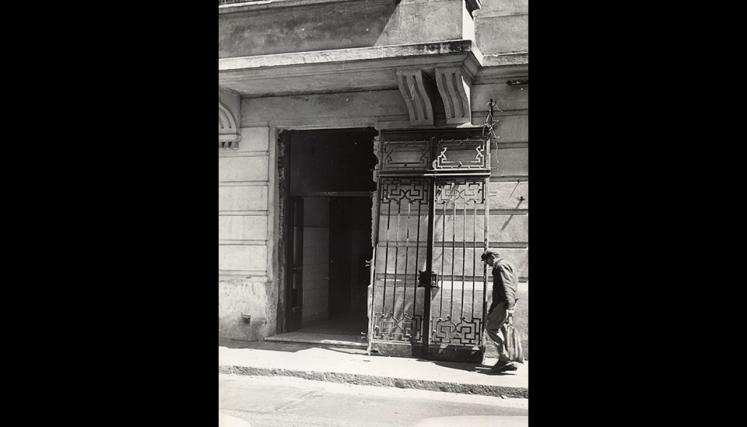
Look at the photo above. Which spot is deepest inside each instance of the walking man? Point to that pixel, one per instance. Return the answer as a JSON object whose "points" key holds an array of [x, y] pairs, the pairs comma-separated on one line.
{"points": [[501, 308]]}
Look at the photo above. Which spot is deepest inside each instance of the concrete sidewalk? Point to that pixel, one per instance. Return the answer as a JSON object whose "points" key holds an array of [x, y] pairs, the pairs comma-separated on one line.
{"points": [[353, 366]]}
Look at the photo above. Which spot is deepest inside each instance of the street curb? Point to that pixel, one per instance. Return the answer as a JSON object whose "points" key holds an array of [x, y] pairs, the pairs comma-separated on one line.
{"points": [[358, 379]]}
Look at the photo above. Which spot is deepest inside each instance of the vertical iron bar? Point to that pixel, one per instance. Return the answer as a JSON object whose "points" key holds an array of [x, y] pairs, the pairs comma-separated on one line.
{"points": [[396, 257], [373, 260], [474, 258], [428, 267], [485, 246], [386, 255], [453, 253], [443, 251], [417, 266], [464, 254], [407, 253]]}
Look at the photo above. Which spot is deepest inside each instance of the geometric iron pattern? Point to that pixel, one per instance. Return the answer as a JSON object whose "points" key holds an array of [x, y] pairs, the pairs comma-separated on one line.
{"points": [[405, 155], [408, 328], [469, 190], [396, 189], [445, 331], [468, 154]]}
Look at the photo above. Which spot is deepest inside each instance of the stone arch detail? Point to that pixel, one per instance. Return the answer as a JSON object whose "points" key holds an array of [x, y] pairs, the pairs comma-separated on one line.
{"points": [[228, 130]]}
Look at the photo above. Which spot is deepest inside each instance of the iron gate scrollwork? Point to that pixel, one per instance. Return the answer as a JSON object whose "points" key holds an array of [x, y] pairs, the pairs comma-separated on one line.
{"points": [[456, 311], [397, 302], [428, 285]]}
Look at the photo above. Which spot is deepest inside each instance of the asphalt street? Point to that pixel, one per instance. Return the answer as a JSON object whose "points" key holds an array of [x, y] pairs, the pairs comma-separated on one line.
{"points": [[284, 401]]}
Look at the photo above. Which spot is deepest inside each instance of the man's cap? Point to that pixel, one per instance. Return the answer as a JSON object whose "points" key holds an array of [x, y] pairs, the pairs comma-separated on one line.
{"points": [[488, 253]]}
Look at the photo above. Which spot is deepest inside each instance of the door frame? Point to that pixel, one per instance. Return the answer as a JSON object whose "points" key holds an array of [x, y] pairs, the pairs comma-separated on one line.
{"points": [[284, 198]]}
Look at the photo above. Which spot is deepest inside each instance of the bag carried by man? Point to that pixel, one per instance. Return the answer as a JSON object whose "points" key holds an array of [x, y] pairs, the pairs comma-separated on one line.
{"points": [[513, 341]]}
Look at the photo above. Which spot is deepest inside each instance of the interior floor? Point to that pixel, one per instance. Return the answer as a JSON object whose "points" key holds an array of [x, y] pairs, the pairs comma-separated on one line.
{"points": [[343, 325], [342, 330]]}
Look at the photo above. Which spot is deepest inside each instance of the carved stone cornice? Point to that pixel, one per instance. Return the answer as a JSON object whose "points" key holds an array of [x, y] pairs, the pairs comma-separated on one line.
{"points": [[228, 131], [341, 70]]}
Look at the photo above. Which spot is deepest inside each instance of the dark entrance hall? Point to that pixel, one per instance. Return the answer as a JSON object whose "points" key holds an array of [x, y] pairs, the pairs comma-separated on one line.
{"points": [[326, 242]]}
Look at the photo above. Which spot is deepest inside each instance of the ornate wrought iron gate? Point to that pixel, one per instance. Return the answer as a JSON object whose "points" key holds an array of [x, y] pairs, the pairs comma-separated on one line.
{"points": [[399, 255], [427, 292]]}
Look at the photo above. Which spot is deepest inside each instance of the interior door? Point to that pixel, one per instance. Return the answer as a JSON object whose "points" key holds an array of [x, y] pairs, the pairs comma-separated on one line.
{"points": [[294, 285]]}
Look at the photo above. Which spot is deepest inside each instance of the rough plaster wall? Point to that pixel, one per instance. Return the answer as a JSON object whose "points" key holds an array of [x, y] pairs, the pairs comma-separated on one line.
{"points": [[341, 25], [245, 296], [307, 28], [405, 25], [245, 285], [502, 26], [315, 259]]}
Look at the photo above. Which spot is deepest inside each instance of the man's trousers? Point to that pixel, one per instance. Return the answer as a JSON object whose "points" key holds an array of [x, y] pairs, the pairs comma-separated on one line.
{"points": [[496, 329]]}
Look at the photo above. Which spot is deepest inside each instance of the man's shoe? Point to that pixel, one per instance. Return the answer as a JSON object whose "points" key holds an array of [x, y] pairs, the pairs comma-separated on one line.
{"points": [[502, 367]]}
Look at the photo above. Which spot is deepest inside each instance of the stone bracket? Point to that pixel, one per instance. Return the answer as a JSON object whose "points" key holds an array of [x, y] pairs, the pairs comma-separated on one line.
{"points": [[416, 89], [228, 132], [454, 85]]}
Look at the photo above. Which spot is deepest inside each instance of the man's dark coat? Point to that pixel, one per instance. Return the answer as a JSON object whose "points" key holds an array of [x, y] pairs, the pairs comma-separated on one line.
{"points": [[504, 284]]}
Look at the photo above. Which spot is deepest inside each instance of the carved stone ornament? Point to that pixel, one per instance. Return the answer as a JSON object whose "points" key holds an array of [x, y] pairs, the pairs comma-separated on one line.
{"points": [[454, 86], [228, 132], [416, 91]]}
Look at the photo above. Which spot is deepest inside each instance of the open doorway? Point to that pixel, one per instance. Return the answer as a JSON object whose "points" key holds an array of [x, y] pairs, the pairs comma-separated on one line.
{"points": [[327, 238]]}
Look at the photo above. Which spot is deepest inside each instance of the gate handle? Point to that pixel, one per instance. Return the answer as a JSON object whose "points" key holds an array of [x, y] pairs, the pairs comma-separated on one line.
{"points": [[423, 279]]}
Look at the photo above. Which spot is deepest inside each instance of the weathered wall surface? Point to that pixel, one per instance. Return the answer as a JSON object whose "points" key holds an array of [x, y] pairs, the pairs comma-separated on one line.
{"points": [[341, 25], [244, 246], [502, 26], [248, 296]]}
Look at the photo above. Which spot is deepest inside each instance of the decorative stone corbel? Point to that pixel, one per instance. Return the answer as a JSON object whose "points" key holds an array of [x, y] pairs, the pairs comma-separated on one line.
{"points": [[228, 132], [454, 85], [415, 88]]}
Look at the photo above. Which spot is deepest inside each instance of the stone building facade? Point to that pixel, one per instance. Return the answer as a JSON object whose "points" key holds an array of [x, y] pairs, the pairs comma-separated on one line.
{"points": [[354, 162]]}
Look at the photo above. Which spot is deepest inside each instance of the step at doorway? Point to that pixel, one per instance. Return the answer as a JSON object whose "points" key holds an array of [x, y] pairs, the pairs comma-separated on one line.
{"points": [[335, 332]]}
